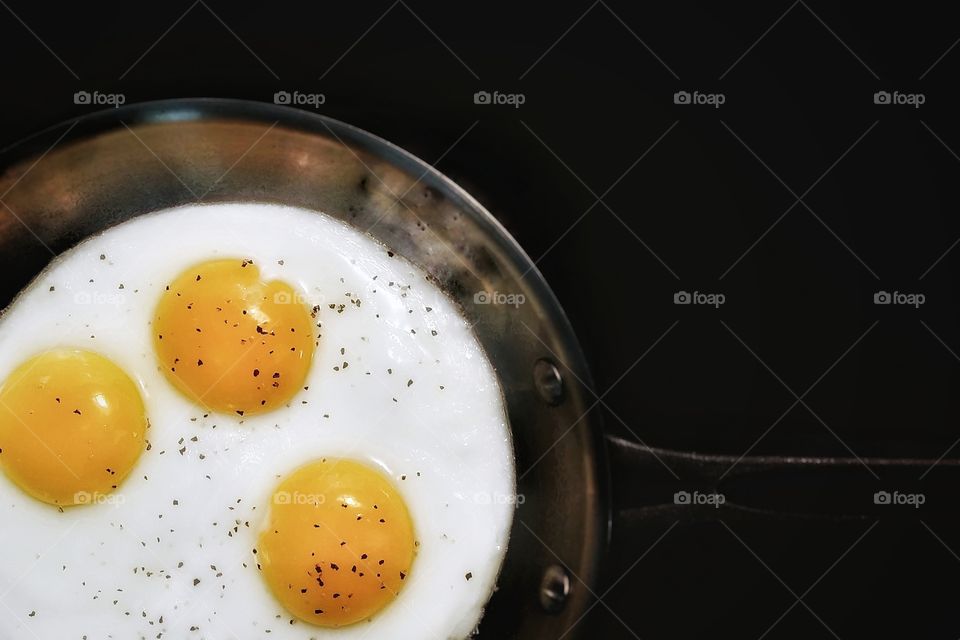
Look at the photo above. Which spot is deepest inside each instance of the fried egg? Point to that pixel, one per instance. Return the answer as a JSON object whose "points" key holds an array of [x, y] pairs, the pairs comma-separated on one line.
{"points": [[234, 420]]}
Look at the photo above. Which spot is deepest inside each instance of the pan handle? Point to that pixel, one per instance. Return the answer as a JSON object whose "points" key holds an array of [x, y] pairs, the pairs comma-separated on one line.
{"points": [[653, 485]]}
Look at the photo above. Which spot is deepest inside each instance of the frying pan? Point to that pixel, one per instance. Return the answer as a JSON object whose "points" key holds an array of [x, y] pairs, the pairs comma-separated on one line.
{"points": [[578, 491]]}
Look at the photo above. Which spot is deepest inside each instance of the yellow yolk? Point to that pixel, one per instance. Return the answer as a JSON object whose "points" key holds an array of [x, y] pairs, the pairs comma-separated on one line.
{"points": [[72, 425], [231, 341], [338, 544]]}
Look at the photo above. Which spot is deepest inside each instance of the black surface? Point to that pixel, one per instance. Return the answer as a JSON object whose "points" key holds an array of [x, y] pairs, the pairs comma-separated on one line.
{"points": [[799, 81]]}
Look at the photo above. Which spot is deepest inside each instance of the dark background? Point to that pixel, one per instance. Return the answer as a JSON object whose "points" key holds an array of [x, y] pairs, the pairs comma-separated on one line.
{"points": [[692, 198]]}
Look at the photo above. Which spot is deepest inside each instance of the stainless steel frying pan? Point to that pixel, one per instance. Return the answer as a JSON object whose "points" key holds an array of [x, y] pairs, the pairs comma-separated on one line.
{"points": [[83, 176]]}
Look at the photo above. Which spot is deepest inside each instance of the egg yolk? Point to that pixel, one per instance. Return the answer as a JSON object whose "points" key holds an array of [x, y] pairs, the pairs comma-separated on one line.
{"points": [[72, 425], [338, 543], [230, 341]]}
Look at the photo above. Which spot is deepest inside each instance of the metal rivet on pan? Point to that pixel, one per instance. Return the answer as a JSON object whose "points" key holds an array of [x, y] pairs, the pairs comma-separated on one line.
{"points": [[554, 589], [549, 384]]}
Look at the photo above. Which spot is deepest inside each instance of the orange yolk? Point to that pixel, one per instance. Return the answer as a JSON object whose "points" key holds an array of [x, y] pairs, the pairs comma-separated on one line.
{"points": [[230, 341], [72, 425], [338, 544]]}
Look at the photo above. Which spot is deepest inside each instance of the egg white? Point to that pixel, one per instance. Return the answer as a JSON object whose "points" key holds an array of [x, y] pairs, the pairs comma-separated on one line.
{"points": [[170, 552]]}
